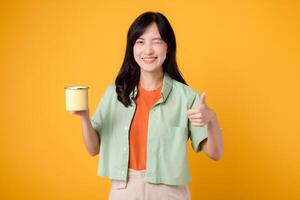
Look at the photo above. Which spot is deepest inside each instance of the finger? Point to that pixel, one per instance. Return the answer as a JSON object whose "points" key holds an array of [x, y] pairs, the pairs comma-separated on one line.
{"points": [[196, 116], [197, 121], [193, 111], [203, 119], [202, 98], [198, 124]]}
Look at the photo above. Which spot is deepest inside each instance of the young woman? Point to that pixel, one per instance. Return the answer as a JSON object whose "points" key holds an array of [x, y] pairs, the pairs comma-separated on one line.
{"points": [[143, 121]]}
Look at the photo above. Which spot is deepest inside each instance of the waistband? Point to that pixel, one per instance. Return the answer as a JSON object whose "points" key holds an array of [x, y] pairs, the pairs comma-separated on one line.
{"points": [[134, 172]]}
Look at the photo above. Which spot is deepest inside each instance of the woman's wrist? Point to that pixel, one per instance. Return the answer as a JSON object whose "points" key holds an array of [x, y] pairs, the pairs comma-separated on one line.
{"points": [[214, 124], [85, 117]]}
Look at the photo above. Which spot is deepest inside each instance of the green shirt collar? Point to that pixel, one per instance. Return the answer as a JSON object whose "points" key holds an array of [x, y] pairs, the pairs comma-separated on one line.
{"points": [[165, 91]]}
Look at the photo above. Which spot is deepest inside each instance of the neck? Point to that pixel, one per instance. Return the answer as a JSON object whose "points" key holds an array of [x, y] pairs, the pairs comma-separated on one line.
{"points": [[151, 81]]}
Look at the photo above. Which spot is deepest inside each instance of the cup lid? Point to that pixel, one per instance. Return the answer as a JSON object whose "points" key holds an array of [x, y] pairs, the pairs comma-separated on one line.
{"points": [[76, 87]]}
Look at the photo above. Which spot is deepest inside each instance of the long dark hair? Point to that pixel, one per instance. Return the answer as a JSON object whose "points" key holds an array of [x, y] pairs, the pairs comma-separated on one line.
{"points": [[129, 74]]}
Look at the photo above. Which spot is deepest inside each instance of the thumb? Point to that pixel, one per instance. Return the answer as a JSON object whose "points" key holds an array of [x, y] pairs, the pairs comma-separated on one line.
{"points": [[202, 98]]}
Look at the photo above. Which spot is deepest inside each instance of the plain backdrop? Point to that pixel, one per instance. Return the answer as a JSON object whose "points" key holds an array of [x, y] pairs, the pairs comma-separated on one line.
{"points": [[243, 54]]}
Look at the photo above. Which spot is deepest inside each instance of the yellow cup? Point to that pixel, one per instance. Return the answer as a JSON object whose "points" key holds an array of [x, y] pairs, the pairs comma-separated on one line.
{"points": [[76, 98]]}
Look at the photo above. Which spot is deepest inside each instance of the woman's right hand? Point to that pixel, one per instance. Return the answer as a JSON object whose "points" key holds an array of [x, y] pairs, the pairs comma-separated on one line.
{"points": [[82, 113]]}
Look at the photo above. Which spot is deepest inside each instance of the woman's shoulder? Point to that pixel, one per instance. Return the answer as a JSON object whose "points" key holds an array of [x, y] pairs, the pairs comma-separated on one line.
{"points": [[184, 89], [109, 90], [186, 92], [111, 87]]}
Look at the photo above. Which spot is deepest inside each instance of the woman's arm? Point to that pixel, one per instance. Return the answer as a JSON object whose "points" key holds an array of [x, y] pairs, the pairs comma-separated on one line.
{"points": [[213, 145], [90, 137], [203, 115]]}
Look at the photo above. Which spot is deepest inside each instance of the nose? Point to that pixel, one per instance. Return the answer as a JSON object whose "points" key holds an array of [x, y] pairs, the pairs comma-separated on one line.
{"points": [[148, 49]]}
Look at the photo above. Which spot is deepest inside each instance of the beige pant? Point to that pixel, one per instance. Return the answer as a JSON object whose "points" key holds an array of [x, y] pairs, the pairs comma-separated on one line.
{"points": [[136, 188]]}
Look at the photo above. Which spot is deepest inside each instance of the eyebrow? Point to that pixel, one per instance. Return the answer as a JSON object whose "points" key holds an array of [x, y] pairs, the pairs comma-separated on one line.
{"points": [[156, 38]]}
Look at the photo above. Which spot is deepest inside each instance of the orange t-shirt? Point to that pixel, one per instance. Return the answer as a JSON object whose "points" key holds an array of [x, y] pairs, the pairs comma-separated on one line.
{"points": [[139, 127]]}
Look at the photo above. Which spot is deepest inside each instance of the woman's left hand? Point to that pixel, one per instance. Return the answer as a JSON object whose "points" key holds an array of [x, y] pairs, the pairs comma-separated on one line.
{"points": [[201, 115]]}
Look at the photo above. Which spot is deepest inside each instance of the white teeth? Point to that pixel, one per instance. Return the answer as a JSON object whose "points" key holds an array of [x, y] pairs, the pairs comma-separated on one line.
{"points": [[148, 58]]}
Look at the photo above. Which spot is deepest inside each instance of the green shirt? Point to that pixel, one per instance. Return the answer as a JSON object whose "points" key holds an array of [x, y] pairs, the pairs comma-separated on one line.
{"points": [[168, 132]]}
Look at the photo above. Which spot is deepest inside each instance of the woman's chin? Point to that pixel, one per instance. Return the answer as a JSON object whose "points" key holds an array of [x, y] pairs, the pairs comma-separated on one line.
{"points": [[149, 69]]}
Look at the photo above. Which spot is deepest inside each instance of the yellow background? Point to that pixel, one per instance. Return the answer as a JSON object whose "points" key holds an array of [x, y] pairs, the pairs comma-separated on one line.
{"points": [[243, 54]]}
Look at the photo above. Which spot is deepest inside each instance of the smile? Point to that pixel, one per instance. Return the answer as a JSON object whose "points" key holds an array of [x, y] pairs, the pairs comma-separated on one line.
{"points": [[149, 60]]}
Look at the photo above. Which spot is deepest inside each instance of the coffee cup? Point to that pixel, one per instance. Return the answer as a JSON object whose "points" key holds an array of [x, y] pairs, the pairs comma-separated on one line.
{"points": [[76, 98]]}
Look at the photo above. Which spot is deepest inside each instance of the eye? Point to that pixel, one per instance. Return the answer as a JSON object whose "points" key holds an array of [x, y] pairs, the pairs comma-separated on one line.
{"points": [[157, 41], [139, 42]]}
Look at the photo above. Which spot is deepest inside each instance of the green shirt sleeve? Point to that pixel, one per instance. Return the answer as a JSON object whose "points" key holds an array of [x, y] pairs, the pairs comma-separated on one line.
{"points": [[101, 112], [196, 134]]}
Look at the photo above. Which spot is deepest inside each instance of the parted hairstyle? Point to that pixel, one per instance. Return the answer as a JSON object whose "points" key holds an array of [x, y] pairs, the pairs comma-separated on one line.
{"points": [[129, 74]]}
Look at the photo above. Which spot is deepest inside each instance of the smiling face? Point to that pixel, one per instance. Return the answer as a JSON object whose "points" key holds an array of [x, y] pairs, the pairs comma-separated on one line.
{"points": [[150, 50]]}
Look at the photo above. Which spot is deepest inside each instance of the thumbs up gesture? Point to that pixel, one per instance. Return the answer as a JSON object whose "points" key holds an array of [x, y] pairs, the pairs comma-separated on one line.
{"points": [[201, 115]]}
